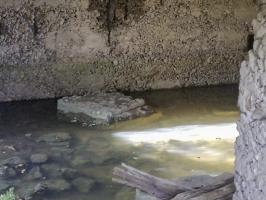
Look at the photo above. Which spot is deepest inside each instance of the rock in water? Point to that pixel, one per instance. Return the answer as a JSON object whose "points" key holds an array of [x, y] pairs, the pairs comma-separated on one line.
{"points": [[13, 161], [38, 158], [34, 173], [4, 185], [29, 190], [7, 172], [54, 138], [52, 170], [69, 173], [57, 185], [83, 185], [101, 108]]}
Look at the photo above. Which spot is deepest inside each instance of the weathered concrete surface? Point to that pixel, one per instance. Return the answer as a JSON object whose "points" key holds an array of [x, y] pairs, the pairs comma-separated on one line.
{"points": [[58, 48], [250, 178], [101, 108]]}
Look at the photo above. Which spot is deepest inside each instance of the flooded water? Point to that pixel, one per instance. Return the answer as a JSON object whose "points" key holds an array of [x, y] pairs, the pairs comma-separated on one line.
{"points": [[192, 132]]}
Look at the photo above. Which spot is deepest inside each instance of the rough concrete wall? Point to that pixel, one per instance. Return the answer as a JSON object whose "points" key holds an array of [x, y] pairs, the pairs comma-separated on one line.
{"points": [[250, 147], [51, 48]]}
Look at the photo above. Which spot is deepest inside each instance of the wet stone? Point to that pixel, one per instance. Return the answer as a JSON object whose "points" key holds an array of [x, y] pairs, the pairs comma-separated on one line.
{"points": [[60, 144], [13, 162], [52, 170], [57, 185], [61, 150], [95, 144], [83, 185], [34, 173], [101, 108], [28, 135], [29, 190], [93, 158], [60, 154], [80, 160], [69, 173], [7, 172], [38, 158], [4, 185], [100, 158], [54, 138]]}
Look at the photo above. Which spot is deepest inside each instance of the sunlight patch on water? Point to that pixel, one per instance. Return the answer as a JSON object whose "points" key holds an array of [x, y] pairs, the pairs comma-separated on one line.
{"points": [[188, 133], [201, 143]]}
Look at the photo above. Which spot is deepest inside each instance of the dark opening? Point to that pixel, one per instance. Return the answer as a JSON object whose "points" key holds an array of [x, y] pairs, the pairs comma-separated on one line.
{"points": [[126, 9], [250, 41]]}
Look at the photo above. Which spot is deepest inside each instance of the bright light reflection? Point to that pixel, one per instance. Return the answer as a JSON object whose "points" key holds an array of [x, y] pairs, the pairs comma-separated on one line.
{"points": [[188, 133]]}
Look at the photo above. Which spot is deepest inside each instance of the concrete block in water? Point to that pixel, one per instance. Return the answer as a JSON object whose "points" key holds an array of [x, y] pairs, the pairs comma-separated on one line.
{"points": [[101, 108]]}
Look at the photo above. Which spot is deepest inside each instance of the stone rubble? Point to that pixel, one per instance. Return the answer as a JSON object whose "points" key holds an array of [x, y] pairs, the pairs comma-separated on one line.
{"points": [[36, 174]]}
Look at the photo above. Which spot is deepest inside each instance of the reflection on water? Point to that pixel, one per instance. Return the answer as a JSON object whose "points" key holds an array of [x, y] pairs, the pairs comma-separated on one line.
{"points": [[186, 133], [192, 132], [194, 141]]}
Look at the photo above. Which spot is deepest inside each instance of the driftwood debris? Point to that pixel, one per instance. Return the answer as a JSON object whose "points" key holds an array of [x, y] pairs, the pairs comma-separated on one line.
{"points": [[186, 188]]}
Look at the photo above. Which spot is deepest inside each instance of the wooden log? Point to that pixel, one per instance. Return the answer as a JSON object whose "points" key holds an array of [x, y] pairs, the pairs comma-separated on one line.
{"points": [[161, 188], [212, 193], [220, 188]]}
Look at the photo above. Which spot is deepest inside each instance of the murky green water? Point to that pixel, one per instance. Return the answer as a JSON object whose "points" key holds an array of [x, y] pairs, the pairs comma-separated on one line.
{"points": [[192, 132]]}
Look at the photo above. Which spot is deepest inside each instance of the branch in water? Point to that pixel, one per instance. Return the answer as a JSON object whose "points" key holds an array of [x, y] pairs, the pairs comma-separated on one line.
{"points": [[188, 188]]}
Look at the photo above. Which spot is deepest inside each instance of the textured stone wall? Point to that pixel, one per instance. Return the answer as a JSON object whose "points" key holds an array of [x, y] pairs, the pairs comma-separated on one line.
{"points": [[251, 144], [51, 48]]}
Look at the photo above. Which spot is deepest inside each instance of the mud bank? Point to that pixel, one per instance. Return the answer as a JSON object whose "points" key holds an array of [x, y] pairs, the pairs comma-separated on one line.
{"points": [[57, 48]]}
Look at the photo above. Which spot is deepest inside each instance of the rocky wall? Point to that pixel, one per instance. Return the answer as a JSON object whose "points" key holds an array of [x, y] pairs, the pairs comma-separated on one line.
{"points": [[250, 172], [52, 48]]}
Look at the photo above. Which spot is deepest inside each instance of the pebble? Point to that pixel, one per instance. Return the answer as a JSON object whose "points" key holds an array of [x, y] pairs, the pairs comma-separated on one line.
{"points": [[28, 134], [115, 62]]}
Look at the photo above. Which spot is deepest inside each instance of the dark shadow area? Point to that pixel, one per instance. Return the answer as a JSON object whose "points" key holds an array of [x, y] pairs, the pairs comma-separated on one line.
{"points": [[250, 41]]}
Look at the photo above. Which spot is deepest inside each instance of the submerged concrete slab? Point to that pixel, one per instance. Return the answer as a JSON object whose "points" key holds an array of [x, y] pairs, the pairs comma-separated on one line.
{"points": [[101, 108]]}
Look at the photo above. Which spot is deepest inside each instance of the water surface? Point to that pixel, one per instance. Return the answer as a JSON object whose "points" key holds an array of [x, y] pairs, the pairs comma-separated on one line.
{"points": [[192, 132]]}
